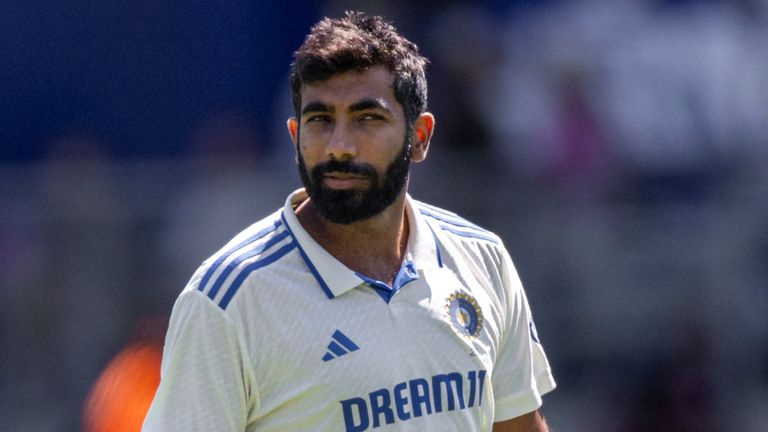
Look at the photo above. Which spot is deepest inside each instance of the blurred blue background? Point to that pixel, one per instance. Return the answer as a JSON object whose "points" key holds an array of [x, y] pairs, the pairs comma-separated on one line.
{"points": [[620, 149]]}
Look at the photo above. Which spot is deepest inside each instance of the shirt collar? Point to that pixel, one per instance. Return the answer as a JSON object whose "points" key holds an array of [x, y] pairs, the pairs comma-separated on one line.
{"points": [[334, 277]]}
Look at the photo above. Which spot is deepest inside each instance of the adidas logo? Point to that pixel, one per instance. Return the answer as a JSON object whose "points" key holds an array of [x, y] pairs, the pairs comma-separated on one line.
{"points": [[340, 345]]}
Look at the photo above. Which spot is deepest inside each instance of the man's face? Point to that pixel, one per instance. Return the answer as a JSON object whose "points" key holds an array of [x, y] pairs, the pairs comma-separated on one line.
{"points": [[354, 149], [345, 206]]}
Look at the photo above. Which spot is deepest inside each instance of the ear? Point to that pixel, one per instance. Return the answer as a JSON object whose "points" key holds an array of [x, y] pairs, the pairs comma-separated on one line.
{"points": [[422, 133], [293, 131]]}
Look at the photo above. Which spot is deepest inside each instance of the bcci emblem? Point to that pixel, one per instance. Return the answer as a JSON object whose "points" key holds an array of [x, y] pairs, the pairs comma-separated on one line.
{"points": [[465, 313]]}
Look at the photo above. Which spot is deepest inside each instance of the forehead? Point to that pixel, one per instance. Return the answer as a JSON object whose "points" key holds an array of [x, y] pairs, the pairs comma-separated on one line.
{"points": [[351, 87]]}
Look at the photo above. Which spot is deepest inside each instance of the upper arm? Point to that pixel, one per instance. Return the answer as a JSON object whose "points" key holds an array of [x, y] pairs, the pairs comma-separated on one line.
{"points": [[531, 422], [205, 384], [521, 372]]}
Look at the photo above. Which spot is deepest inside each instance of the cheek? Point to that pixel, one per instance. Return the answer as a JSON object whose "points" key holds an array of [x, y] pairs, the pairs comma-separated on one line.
{"points": [[380, 144], [303, 158], [307, 151]]}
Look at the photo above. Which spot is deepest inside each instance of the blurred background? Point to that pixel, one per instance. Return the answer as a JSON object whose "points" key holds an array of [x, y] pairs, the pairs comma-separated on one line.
{"points": [[620, 148]]}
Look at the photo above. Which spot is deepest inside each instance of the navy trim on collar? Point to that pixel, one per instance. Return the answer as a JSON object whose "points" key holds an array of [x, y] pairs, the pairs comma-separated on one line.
{"points": [[405, 275], [423, 251], [311, 266]]}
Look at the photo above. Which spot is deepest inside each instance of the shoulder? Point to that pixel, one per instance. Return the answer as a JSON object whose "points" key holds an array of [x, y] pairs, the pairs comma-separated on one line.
{"points": [[455, 227], [463, 244], [257, 248]]}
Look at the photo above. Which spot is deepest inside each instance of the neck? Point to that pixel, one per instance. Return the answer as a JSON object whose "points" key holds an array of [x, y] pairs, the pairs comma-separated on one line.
{"points": [[374, 247]]}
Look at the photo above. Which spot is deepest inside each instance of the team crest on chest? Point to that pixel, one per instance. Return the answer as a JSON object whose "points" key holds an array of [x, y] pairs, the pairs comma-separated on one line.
{"points": [[465, 314]]}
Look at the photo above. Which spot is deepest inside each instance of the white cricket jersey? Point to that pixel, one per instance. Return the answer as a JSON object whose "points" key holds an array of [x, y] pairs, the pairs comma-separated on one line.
{"points": [[274, 334]]}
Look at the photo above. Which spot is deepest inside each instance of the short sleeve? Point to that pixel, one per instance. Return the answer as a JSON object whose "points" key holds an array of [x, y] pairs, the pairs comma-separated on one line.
{"points": [[521, 374], [205, 383]]}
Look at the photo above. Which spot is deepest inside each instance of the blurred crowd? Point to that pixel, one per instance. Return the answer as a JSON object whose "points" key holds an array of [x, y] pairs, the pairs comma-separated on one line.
{"points": [[619, 148]]}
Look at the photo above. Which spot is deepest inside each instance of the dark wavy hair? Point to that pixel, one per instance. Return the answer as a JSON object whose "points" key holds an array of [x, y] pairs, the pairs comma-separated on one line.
{"points": [[358, 42]]}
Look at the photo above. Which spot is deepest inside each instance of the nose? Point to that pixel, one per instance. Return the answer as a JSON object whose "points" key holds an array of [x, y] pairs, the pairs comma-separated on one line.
{"points": [[341, 145]]}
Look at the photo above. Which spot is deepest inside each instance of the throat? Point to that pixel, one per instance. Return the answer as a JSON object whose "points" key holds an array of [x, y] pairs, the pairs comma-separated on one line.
{"points": [[382, 264], [374, 248]]}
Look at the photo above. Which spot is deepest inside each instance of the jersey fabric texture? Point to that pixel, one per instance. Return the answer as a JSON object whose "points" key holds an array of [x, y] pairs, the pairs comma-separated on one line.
{"points": [[273, 333]]}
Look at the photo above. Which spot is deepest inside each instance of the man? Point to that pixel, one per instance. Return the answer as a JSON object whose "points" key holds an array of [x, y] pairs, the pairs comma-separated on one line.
{"points": [[355, 307]]}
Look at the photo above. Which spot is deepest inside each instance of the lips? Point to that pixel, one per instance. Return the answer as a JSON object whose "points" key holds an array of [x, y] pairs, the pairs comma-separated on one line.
{"points": [[344, 175], [344, 180]]}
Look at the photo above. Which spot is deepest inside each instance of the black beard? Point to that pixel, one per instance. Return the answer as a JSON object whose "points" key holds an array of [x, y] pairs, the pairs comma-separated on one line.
{"points": [[347, 206]]}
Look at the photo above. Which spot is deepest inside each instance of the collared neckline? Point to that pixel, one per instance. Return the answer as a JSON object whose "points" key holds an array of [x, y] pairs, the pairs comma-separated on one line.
{"points": [[332, 275]]}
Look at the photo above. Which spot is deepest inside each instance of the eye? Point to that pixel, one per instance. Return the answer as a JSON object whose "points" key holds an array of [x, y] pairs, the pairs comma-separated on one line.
{"points": [[371, 116], [317, 118]]}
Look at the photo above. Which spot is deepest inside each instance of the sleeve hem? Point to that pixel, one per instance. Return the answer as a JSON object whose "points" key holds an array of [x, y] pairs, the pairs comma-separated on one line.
{"points": [[516, 406]]}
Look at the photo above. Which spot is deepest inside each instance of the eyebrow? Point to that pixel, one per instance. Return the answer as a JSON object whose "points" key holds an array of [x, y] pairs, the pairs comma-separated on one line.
{"points": [[362, 105], [314, 107], [367, 104]]}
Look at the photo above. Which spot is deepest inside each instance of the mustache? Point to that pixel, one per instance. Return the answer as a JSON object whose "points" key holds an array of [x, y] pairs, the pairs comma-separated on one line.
{"points": [[349, 167]]}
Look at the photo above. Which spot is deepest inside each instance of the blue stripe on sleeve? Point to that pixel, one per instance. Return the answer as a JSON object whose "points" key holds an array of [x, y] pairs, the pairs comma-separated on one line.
{"points": [[447, 216], [212, 269], [235, 286], [469, 234], [458, 226], [235, 262]]}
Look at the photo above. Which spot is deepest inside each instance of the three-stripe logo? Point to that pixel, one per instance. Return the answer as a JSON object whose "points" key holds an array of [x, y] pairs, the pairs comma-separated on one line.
{"points": [[339, 346]]}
